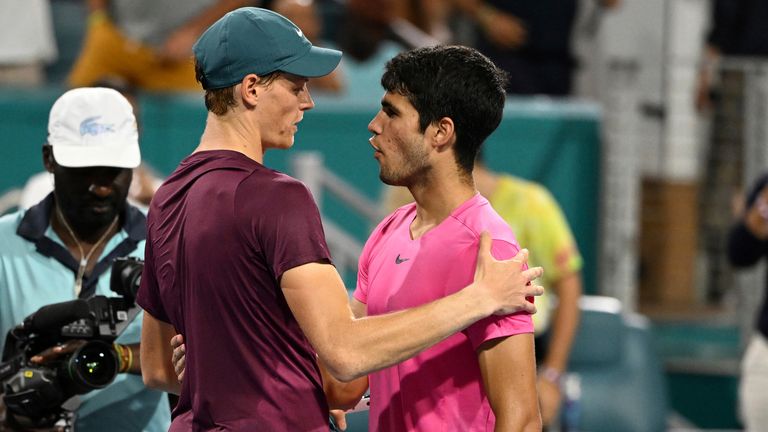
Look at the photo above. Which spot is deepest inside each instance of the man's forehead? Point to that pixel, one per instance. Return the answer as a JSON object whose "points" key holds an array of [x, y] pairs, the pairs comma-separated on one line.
{"points": [[395, 100], [298, 79]]}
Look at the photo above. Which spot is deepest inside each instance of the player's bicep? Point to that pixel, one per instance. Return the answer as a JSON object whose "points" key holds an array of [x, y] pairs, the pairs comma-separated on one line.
{"points": [[156, 365], [316, 295], [508, 369]]}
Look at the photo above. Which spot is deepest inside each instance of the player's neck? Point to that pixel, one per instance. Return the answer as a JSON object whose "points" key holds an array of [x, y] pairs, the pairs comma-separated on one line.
{"points": [[230, 132], [437, 198]]}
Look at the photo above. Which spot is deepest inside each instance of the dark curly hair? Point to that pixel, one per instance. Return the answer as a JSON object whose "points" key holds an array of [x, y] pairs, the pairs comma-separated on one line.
{"points": [[451, 81]]}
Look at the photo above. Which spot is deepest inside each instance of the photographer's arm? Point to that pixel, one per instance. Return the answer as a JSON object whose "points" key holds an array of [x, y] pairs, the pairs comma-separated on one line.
{"points": [[157, 366]]}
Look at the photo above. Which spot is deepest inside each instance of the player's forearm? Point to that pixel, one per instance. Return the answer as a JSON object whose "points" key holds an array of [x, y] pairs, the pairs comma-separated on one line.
{"points": [[160, 377], [342, 395], [565, 322], [155, 354], [511, 423], [373, 343]]}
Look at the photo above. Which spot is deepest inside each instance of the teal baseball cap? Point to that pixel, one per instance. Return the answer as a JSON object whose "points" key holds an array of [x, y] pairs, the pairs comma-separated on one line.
{"points": [[254, 40]]}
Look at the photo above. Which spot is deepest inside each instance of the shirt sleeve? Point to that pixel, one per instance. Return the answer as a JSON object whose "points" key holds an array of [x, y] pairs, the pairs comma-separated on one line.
{"points": [[361, 289], [148, 296], [291, 233], [495, 326]]}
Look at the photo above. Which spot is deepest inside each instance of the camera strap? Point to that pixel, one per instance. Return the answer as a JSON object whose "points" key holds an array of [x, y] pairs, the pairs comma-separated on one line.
{"points": [[84, 259]]}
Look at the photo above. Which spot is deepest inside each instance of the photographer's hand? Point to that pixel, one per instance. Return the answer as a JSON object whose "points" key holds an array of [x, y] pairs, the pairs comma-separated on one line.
{"points": [[57, 351], [5, 425]]}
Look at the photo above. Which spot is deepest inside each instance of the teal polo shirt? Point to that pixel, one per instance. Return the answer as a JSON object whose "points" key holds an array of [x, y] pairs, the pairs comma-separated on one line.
{"points": [[36, 269]]}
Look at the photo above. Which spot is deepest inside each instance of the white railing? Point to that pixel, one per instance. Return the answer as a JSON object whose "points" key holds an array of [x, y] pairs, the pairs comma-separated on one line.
{"points": [[10, 200], [345, 248]]}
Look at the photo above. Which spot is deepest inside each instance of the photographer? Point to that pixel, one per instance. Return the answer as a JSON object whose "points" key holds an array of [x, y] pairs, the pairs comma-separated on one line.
{"points": [[63, 248]]}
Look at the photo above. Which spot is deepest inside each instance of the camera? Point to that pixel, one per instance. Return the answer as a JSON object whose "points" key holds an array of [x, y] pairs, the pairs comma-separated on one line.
{"points": [[36, 392]]}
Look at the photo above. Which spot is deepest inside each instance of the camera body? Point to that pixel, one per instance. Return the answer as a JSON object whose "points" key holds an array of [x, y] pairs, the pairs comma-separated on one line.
{"points": [[36, 392]]}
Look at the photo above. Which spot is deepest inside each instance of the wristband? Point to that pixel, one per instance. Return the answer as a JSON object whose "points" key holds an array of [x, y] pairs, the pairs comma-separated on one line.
{"points": [[130, 358], [124, 357], [552, 375]]}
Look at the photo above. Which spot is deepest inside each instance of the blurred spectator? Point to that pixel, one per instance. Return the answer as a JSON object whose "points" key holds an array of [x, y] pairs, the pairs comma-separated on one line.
{"points": [[428, 16], [368, 24], [539, 226], [748, 244], [146, 42], [26, 41], [371, 32], [305, 15], [737, 31], [530, 39]]}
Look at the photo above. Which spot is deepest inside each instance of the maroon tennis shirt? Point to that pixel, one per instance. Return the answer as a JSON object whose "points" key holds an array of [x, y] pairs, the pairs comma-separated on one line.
{"points": [[221, 231]]}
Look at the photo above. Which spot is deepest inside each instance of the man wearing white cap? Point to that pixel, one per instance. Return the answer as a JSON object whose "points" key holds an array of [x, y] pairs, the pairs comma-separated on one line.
{"points": [[63, 247]]}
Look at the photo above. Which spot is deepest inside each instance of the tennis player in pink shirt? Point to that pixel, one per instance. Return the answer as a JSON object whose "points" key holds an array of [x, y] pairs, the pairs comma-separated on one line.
{"points": [[440, 105]]}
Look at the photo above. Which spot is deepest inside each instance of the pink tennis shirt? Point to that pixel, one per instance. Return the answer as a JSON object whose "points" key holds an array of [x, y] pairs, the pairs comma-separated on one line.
{"points": [[441, 388]]}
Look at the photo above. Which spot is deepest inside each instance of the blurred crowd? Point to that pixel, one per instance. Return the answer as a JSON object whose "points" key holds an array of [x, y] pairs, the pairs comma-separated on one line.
{"points": [[146, 44]]}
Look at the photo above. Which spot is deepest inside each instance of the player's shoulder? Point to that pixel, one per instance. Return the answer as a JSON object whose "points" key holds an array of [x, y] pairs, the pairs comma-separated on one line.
{"points": [[477, 216], [395, 218]]}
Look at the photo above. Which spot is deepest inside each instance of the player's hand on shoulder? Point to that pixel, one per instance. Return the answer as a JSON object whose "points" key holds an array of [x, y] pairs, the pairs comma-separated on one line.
{"points": [[505, 283]]}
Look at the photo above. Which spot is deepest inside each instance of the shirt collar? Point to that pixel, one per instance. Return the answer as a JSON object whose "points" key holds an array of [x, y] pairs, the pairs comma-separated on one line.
{"points": [[35, 221]]}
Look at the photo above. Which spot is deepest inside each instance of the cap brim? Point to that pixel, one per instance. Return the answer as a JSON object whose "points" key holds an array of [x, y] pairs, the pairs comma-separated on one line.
{"points": [[316, 62], [119, 156]]}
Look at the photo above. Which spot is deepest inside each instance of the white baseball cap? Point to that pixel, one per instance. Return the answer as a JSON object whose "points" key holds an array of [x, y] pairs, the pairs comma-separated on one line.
{"points": [[93, 126]]}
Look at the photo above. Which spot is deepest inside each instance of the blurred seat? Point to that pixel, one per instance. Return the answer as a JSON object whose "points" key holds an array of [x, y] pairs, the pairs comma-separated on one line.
{"points": [[357, 421], [622, 380]]}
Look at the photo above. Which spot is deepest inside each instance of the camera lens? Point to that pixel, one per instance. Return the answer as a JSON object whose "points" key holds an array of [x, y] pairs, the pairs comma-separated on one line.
{"points": [[126, 276], [92, 366]]}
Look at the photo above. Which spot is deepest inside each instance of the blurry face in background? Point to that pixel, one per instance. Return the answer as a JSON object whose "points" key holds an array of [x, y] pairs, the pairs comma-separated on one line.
{"points": [[303, 13], [281, 106], [399, 145], [378, 11], [90, 197]]}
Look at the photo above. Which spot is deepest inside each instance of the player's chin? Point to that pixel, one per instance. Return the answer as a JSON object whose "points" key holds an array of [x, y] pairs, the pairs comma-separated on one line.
{"points": [[285, 143]]}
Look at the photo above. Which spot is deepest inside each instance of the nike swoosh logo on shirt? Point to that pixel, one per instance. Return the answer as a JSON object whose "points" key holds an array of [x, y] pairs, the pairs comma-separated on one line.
{"points": [[399, 260]]}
